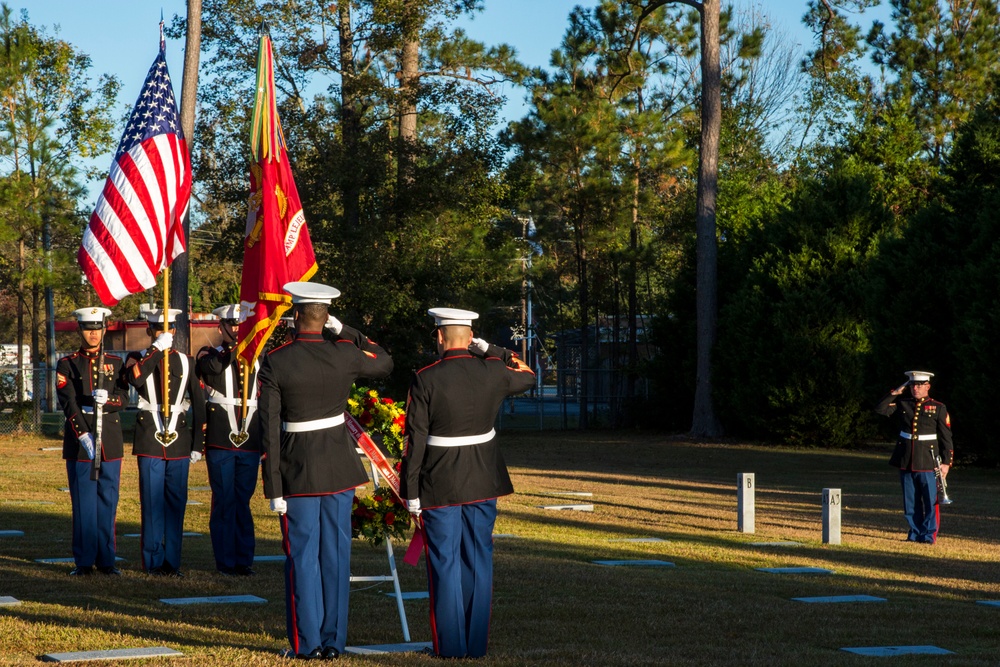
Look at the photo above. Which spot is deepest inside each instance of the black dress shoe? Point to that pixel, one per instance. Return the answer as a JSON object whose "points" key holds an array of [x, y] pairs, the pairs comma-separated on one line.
{"points": [[243, 571], [330, 653], [110, 570], [81, 571], [315, 654], [171, 572]]}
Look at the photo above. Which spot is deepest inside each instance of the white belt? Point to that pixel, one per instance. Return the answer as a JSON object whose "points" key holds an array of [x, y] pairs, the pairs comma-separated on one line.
{"points": [[314, 425], [908, 436], [157, 408], [224, 400], [458, 441]]}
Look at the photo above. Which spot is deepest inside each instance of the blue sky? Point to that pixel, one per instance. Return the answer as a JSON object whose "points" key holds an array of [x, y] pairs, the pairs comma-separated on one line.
{"points": [[121, 35]]}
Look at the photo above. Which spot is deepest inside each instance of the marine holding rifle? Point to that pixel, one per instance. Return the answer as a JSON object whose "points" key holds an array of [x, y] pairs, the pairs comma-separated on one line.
{"points": [[232, 446], [165, 443], [91, 391], [923, 451]]}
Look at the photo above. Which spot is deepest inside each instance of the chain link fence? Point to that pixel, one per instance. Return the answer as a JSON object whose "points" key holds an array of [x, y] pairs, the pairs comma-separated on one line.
{"points": [[35, 413]]}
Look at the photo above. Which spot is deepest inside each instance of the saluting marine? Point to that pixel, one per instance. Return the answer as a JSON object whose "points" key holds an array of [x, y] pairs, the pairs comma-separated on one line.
{"points": [[165, 444], [311, 466], [453, 472], [924, 440], [87, 380], [232, 446]]}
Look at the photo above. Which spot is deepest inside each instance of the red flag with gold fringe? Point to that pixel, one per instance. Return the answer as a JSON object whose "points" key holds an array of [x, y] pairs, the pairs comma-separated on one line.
{"points": [[276, 244]]}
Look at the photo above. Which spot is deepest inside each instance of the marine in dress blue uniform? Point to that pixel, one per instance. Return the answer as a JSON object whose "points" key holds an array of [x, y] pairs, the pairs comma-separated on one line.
{"points": [[453, 472], [82, 383], [165, 448], [311, 466], [924, 435], [232, 446]]}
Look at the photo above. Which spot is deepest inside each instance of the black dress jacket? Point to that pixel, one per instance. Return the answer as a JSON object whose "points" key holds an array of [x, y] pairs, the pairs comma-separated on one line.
{"points": [[459, 395], [77, 376], [924, 417], [190, 436], [219, 369], [306, 380]]}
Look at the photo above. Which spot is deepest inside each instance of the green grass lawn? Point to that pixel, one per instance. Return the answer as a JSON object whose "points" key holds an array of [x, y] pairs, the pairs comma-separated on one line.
{"points": [[552, 605]]}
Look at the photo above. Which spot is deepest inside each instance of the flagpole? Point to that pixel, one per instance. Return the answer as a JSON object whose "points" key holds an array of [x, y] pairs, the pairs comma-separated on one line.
{"points": [[245, 375], [165, 407]]}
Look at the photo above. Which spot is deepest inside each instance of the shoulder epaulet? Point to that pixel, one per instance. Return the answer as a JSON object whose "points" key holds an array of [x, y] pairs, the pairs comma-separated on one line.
{"points": [[430, 365]]}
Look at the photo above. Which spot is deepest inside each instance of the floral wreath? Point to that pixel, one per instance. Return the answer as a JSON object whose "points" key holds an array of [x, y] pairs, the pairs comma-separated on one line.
{"points": [[379, 516]]}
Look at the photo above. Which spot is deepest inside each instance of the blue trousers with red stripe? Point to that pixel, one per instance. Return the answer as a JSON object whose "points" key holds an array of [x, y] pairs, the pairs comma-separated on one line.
{"points": [[95, 506], [316, 533], [232, 474], [460, 573], [163, 491], [919, 505]]}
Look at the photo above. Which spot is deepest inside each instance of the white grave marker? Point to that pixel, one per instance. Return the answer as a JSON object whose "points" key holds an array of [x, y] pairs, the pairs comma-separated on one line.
{"points": [[884, 651], [634, 563], [411, 595], [216, 599], [116, 654], [8, 601], [11, 533], [831, 516], [794, 570], [578, 508], [745, 502], [833, 599], [413, 647]]}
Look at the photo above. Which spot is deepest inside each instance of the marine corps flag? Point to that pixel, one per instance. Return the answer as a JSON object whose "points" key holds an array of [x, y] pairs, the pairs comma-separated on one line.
{"points": [[276, 245]]}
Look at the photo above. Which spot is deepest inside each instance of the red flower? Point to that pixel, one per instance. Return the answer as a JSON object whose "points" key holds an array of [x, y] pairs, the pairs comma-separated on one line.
{"points": [[388, 401], [400, 421], [390, 518], [377, 499], [366, 418]]}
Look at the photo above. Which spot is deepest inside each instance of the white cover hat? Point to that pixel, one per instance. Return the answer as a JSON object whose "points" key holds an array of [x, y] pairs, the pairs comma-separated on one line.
{"points": [[452, 316], [230, 312], [155, 315], [91, 318], [305, 292], [919, 376]]}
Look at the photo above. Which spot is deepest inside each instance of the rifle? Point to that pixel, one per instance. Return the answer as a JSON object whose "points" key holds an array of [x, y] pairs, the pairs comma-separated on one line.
{"points": [[95, 463], [942, 485]]}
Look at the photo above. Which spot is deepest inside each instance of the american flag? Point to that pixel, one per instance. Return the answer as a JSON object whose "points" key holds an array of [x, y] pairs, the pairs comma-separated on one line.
{"points": [[136, 229]]}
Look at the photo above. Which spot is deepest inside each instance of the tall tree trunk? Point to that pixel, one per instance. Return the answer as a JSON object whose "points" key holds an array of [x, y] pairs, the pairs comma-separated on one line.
{"points": [[409, 79], [703, 422], [19, 374], [633, 296], [584, 304], [189, 101], [350, 119]]}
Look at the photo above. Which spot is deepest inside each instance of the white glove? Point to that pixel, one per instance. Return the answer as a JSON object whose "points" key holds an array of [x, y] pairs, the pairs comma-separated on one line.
{"points": [[164, 341], [195, 457], [333, 324], [479, 344], [279, 505], [87, 440], [413, 506], [100, 396]]}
